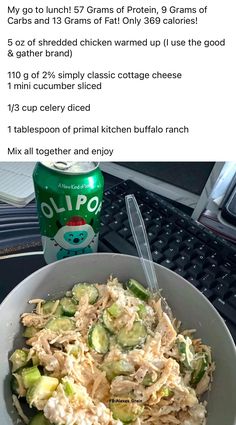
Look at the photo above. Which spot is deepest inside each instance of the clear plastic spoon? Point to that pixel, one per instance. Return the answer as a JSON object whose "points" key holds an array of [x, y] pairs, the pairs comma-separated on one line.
{"points": [[142, 244]]}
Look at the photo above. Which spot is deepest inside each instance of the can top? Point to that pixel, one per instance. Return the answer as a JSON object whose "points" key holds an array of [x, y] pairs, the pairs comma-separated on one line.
{"points": [[71, 167]]}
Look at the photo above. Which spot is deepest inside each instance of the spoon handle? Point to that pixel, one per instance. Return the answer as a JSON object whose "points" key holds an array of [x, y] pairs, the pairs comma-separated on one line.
{"points": [[141, 241]]}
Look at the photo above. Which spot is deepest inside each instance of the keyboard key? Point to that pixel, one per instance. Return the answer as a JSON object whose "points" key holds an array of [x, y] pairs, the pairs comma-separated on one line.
{"points": [[225, 309], [150, 214], [227, 279], [186, 250], [120, 202], [193, 229], [221, 291], [232, 301], [229, 266], [107, 218], [116, 225], [175, 243], [158, 219], [201, 249], [168, 264], [210, 268], [103, 229], [191, 241], [112, 209], [103, 248], [125, 232], [182, 222], [157, 256], [183, 261], [207, 280], [121, 216], [216, 244], [208, 293], [119, 244], [232, 257], [160, 244], [171, 253], [180, 271], [155, 229], [193, 281], [147, 220], [198, 259], [203, 236], [152, 236], [195, 270], [181, 233]]}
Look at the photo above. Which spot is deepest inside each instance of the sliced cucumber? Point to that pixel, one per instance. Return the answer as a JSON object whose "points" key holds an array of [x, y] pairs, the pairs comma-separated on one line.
{"points": [[149, 379], [186, 351], [136, 336], [138, 290], [30, 375], [116, 368], [41, 390], [59, 311], [68, 306], [98, 339], [17, 386], [39, 419], [108, 321], [125, 409], [115, 310], [80, 289], [48, 306], [58, 324], [30, 331], [18, 359], [200, 367]]}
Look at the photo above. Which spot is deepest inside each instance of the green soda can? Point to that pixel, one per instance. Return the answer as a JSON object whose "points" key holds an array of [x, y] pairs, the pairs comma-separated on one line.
{"points": [[69, 200]]}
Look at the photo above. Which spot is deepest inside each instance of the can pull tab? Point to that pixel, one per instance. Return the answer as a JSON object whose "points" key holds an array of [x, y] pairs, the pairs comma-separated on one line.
{"points": [[63, 165]]}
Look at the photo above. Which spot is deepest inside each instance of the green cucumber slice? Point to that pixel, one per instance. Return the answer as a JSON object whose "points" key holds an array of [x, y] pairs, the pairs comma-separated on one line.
{"points": [[68, 306], [115, 310], [41, 390], [30, 331], [30, 375], [186, 351], [125, 409], [200, 368], [17, 388], [18, 359], [116, 368], [98, 339], [58, 324], [48, 306], [138, 290], [108, 322], [81, 289], [39, 419], [136, 336]]}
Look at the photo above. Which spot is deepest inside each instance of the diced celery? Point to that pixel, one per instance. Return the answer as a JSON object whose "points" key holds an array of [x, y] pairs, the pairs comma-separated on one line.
{"points": [[41, 390], [30, 375]]}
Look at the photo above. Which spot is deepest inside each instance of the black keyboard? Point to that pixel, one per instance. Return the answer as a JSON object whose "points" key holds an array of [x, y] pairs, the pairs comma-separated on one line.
{"points": [[177, 242]]}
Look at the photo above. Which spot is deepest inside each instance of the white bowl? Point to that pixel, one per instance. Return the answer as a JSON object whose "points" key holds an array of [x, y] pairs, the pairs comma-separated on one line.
{"points": [[187, 303]]}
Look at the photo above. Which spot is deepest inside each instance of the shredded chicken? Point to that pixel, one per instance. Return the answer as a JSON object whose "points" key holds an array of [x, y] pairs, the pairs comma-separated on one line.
{"points": [[156, 374]]}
